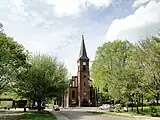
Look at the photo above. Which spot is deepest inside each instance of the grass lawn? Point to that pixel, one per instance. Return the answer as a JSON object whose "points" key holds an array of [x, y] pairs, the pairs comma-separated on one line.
{"points": [[111, 114], [29, 115], [146, 112], [43, 115]]}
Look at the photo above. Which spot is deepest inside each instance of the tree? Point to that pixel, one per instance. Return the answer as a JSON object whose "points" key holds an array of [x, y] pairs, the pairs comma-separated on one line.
{"points": [[13, 59], [128, 73], [108, 68], [134, 73], [44, 78], [149, 50], [1, 28]]}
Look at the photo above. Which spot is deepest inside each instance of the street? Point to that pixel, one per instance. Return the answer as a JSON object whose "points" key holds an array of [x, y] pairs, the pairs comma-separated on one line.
{"points": [[75, 114], [82, 114]]}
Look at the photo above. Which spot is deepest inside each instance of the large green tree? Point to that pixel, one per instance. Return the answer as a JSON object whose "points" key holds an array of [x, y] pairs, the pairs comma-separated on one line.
{"points": [[126, 72], [44, 78], [108, 68], [134, 83], [142, 71], [13, 57], [149, 50]]}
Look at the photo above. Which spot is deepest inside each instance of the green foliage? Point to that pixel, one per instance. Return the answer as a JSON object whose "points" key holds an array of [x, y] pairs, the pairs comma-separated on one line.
{"points": [[155, 111], [118, 107], [13, 59], [108, 68], [150, 53], [1, 28], [128, 73], [44, 78], [7, 104], [111, 109], [10, 94]]}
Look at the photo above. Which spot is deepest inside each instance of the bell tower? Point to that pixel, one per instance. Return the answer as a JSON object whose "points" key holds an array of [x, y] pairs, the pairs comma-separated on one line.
{"points": [[83, 77]]}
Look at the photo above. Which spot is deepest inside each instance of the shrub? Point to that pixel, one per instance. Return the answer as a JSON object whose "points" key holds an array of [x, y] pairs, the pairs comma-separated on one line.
{"points": [[7, 104], [111, 109], [155, 111], [118, 107], [131, 104]]}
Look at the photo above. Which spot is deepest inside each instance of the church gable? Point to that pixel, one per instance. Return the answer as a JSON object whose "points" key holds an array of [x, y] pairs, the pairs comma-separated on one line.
{"points": [[74, 81]]}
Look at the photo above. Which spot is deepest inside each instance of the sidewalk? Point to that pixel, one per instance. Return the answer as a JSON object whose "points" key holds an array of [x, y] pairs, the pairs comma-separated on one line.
{"points": [[59, 116]]}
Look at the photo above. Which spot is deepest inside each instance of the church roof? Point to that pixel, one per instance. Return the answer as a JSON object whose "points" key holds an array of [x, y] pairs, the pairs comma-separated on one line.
{"points": [[83, 53]]}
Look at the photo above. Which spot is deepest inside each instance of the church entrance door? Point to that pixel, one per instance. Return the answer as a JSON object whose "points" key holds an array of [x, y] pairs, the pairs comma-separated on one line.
{"points": [[85, 103]]}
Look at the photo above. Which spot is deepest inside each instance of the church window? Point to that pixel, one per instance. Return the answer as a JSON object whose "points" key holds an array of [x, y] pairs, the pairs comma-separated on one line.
{"points": [[84, 84], [73, 94], [84, 67], [84, 76]]}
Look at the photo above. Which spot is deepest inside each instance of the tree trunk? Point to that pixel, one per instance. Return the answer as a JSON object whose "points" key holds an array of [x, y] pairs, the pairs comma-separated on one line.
{"points": [[157, 99], [132, 105], [142, 104], [137, 105], [39, 105], [33, 104], [127, 107], [63, 98]]}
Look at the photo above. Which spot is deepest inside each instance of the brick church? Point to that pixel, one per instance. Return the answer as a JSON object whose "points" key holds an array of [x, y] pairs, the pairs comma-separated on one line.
{"points": [[80, 92]]}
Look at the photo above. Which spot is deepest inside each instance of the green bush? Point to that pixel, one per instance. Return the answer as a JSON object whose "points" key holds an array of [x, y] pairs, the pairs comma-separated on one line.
{"points": [[155, 111], [111, 109], [7, 104], [118, 107]]}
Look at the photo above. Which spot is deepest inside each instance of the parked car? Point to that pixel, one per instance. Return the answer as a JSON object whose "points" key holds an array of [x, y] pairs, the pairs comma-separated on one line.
{"points": [[105, 107], [56, 108]]}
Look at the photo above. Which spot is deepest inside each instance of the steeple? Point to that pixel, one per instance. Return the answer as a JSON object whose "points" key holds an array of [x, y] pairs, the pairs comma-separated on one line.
{"points": [[83, 53]]}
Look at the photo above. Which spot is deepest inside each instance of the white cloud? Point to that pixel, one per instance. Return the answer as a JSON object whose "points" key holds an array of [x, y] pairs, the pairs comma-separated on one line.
{"points": [[100, 3], [17, 2], [34, 24], [72, 7], [144, 22], [138, 3]]}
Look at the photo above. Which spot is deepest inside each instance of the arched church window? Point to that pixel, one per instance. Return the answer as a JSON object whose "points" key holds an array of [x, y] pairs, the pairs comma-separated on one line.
{"points": [[84, 84], [73, 94], [84, 67]]}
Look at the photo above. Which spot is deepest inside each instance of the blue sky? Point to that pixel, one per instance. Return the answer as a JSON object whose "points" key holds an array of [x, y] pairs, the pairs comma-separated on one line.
{"points": [[55, 26]]}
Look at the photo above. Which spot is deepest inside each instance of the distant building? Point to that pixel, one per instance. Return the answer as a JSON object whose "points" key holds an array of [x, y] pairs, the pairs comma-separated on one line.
{"points": [[80, 92]]}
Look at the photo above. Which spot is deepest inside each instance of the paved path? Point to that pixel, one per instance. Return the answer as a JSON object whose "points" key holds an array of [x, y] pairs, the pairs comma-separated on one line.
{"points": [[74, 114], [81, 114]]}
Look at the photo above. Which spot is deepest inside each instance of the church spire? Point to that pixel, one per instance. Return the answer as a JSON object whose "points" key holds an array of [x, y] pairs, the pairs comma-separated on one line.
{"points": [[83, 53]]}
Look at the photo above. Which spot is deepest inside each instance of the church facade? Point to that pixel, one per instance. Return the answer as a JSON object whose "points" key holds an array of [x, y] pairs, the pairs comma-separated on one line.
{"points": [[80, 92]]}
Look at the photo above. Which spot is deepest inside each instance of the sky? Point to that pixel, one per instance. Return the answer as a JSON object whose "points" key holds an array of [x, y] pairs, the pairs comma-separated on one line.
{"points": [[55, 27]]}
